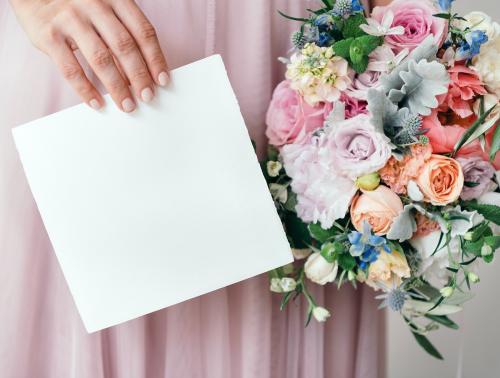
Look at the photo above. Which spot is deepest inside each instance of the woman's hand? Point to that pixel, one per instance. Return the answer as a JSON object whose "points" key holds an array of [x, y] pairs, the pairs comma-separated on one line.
{"points": [[114, 36]]}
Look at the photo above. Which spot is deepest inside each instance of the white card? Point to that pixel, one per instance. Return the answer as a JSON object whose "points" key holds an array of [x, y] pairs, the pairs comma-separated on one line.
{"points": [[150, 209]]}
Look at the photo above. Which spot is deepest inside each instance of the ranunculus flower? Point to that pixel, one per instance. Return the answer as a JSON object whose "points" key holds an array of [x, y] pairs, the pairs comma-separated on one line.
{"points": [[443, 139], [416, 17], [320, 271], [465, 85], [441, 180], [388, 270], [487, 64], [378, 207], [358, 149], [289, 118], [477, 177]]}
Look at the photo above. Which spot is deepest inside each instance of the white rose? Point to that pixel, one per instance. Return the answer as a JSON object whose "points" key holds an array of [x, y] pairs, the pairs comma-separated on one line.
{"points": [[480, 21], [487, 64], [319, 270], [321, 314]]}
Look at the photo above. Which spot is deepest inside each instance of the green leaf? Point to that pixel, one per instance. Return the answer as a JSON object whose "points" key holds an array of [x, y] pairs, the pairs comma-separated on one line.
{"points": [[427, 345], [272, 153], [446, 16], [351, 28], [342, 48], [328, 3], [361, 66], [291, 201], [444, 320], [495, 143], [346, 261], [285, 300], [319, 233], [471, 184], [369, 43], [293, 18], [356, 53], [471, 130], [488, 258], [490, 212], [297, 231]]}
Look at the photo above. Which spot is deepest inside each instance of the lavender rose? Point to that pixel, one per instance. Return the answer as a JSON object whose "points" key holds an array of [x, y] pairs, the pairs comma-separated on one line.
{"points": [[477, 177], [357, 147]]}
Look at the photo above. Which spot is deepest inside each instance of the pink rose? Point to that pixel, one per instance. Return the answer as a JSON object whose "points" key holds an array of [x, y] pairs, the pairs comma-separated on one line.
{"points": [[444, 138], [289, 118], [416, 17], [465, 85]]}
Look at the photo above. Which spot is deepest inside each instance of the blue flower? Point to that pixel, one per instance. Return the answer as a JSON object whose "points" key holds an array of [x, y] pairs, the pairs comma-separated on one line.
{"points": [[323, 20], [445, 5], [366, 246], [324, 39], [344, 8], [471, 46]]}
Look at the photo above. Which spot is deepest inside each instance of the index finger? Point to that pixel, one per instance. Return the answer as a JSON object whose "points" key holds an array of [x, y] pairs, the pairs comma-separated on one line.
{"points": [[145, 35]]}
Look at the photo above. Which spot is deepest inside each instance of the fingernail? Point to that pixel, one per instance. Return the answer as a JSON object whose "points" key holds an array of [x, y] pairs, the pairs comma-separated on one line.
{"points": [[128, 105], [163, 79], [94, 104], [147, 94]]}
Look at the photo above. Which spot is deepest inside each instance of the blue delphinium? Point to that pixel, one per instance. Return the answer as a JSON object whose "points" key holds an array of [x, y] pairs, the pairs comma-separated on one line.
{"points": [[445, 5], [344, 8], [471, 46], [366, 246]]}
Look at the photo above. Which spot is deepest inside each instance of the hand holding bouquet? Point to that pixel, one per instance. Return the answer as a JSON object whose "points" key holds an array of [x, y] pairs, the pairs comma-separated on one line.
{"points": [[383, 153]]}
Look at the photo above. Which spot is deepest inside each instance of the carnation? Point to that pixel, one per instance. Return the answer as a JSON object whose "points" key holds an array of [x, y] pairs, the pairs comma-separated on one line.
{"points": [[317, 74], [323, 195]]}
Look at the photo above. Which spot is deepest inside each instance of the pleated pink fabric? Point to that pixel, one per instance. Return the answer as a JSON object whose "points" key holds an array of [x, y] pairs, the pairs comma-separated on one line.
{"points": [[236, 332]]}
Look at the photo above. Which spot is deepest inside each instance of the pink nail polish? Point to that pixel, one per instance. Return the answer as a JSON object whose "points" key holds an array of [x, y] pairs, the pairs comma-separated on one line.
{"points": [[163, 79], [128, 105], [147, 94], [94, 104]]}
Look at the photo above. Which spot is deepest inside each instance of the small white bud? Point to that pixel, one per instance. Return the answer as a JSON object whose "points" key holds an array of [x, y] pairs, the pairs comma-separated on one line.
{"points": [[273, 168], [279, 192], [468, 236], [321, 314], [486, 250], [446, 291], [473, 277], [288, 284], [351, 276], [276, 285]]}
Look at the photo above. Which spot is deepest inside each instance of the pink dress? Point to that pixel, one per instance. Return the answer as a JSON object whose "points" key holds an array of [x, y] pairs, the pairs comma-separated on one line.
{"points": [[236, 332]]}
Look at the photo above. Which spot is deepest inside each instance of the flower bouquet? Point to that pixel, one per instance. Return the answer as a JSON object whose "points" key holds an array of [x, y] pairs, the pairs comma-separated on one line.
{"points": [[383, 154]]}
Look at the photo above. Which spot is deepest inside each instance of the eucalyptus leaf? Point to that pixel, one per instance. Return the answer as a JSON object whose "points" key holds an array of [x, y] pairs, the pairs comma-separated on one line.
{"points": [[495, 144], [471, 130], [427, 345]]}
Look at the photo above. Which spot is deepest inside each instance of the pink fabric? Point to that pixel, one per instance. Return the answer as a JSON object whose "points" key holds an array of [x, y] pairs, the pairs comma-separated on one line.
{"points": [[234, 332]]}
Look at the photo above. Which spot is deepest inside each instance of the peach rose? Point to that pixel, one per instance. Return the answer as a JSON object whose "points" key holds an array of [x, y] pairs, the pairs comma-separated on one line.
{"points": [[378, 207], [441, 180]]}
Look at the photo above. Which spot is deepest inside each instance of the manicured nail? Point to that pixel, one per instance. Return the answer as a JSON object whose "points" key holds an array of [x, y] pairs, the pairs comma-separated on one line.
{"points": [[128, 105], [147, 94], [94, 104], [163, 79]]}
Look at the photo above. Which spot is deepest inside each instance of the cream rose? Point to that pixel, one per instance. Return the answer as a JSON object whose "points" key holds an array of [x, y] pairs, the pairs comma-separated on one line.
{"points": [[441, 180], [480, 21], [388, 270], [378, 207], [319, 270], [487, 64]]}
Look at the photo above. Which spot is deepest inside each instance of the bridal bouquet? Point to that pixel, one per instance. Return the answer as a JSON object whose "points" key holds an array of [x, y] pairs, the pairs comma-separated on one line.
{"points": [[383, 156]]}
